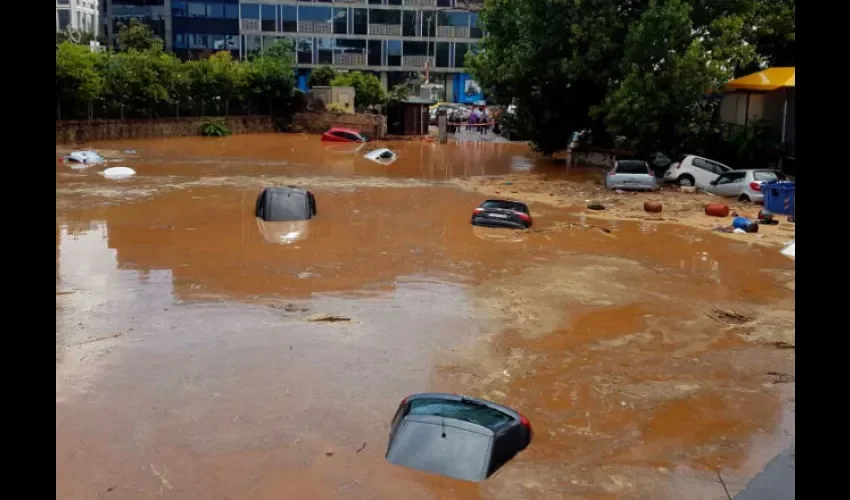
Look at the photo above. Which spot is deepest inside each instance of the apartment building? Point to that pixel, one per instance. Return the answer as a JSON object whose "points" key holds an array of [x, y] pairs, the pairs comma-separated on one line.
{"points": [[394, 39], [80, 15]]}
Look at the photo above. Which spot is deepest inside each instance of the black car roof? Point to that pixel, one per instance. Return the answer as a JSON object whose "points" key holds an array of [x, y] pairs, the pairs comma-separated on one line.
{"points": [[504, 201]]}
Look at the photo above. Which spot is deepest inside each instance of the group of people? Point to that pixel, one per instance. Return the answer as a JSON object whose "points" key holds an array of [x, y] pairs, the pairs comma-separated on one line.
{"points": [[479, 120]]}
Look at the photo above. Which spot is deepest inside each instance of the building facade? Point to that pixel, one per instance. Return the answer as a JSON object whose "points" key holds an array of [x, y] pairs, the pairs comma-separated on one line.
{"points": [[394, 39], [80, 15]]}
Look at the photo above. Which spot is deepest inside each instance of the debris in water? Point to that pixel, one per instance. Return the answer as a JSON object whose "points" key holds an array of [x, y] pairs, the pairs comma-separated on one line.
{"points": [[728, 316], [329, 453], [118, 172], [784, 345], [596, 206], [326, 318], [362, 447], [782, 378]]}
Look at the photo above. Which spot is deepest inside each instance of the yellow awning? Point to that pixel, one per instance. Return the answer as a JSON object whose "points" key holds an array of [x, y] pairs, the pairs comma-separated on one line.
{"points": [[768, 79]]}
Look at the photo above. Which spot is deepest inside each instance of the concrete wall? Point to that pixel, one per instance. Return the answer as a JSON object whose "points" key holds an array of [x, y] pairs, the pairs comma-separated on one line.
{"points": [[76, 131], [79, 131]]}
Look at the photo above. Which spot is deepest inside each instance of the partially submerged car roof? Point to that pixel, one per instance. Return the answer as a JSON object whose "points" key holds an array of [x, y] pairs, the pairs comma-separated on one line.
{"points": [[382, 155], [285, 204]]}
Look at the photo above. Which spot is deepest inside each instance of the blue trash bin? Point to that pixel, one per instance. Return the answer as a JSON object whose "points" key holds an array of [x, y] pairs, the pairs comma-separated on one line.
{"points": [[779, 197]]}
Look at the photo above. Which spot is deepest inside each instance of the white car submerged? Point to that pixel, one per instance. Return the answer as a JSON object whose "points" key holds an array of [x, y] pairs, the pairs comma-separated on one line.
{"points": [[694, 170]]}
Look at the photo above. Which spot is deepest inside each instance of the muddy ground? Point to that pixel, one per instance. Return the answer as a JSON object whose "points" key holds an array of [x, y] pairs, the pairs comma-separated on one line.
{"points": [[652, 357]]}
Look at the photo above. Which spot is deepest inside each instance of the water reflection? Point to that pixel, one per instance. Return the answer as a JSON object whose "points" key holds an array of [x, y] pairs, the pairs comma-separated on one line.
{"points": [[283, 232], [702, 263]]}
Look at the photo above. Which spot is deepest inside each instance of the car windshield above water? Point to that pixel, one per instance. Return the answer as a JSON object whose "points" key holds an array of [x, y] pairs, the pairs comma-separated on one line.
{"points": [[768, 176], [460, 410], [505, 205], [632, 167]]}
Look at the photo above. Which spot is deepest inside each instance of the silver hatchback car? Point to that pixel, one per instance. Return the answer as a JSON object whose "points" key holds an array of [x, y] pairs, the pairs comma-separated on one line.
{"points": [[745, 185], [631, 174]]}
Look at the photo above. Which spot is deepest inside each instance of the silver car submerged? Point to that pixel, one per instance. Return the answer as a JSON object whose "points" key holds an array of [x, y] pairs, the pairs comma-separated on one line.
{"points": [[631, 175], [744, 185]]}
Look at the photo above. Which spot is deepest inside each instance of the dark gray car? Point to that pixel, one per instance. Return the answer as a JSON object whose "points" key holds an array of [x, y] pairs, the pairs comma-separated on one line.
{"points": [[502, 213], [285, 204], [456, 436]]}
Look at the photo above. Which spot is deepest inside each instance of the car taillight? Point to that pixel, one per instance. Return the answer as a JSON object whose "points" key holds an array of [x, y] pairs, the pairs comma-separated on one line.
{"points": [[755, 186], [523, 216], [478, 210], [524, 422]]}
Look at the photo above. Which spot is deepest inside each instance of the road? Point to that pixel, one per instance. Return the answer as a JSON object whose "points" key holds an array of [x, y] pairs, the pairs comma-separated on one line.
{"points": [[188, 364]]}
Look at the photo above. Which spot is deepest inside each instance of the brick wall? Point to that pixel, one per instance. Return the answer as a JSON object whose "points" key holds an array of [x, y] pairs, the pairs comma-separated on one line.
{"points": [[78, 131]]}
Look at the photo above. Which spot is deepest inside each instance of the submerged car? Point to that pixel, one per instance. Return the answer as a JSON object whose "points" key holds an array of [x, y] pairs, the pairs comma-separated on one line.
{"points": [[283, 232], [339, 134], [384, 156], [502, 213], [285, 204], [631, 174], [744, 185], [456, 436], [692, 170], [83, 158]]}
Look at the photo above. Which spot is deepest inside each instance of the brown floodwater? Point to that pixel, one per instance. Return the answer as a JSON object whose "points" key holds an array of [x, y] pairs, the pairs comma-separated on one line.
{"points": [[188, 367]]}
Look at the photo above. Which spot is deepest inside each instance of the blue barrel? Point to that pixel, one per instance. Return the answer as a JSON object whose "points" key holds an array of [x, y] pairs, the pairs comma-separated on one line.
{"points": [[779, 197], [741, 223]]}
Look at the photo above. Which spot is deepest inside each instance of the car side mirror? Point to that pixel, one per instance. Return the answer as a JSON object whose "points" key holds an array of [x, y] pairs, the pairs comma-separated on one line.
{"points": [[714, 182]]}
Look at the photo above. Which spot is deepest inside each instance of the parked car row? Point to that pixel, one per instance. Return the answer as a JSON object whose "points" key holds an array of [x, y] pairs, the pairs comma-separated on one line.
{"points": [[691, 170]]}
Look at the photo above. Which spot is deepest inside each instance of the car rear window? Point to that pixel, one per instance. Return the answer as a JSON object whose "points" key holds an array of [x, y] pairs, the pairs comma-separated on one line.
{"points": [[468, 412], [769, 175], [632, 167], [287, 206], [505, 205]]}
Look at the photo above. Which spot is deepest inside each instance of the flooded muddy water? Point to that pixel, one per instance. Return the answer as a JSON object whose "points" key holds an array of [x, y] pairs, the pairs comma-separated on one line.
{"points": [[192, 361]]}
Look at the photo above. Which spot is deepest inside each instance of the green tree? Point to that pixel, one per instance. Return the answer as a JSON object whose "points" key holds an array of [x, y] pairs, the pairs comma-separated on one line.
{"points": [[138, 36], [367, 88], [140, 80], [642, 68], [270, 78], [321, 76], [216, 79], [78, 75], [82, 38]]}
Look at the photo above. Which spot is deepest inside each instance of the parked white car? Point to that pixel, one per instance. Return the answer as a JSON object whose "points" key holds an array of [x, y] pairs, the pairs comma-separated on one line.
{"points": [[744, 185], [83, 158], [694, 170]]}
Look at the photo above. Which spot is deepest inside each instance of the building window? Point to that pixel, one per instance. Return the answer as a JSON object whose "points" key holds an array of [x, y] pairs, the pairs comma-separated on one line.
{"points": [[252, 43], [289, 18], [394, 2], [359, 22], [231, 11], [196, 41], [393, 52], [304, 50], [180, 41], [197, 9], [385, 17], [443, 50], [268, 21], [475, 30], [458, 19], [314, 14], [324, 51], [231, 42], [269, 41], [179, 8], [64, 19], [215, 10], [444, 3], [418, 49], [250, 11], [376, 2], [460, 54], [375, 53], [217, 42], [62, 2], [409, 26], [341, 21]]}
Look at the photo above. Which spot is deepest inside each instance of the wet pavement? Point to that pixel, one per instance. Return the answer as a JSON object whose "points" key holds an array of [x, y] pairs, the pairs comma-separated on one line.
{"points": [[189, 364]]}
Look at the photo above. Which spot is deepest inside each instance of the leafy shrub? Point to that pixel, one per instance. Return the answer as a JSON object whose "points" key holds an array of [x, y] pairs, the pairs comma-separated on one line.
{"points": [[214, 129], [336, 107]]}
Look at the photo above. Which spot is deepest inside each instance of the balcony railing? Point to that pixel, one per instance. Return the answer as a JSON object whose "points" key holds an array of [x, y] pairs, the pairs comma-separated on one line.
{"points": [[417, 61], [314, 27], [453, 31], [350, 59], [421, 3], [352, 1], [385, 29], [250, 25]]}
